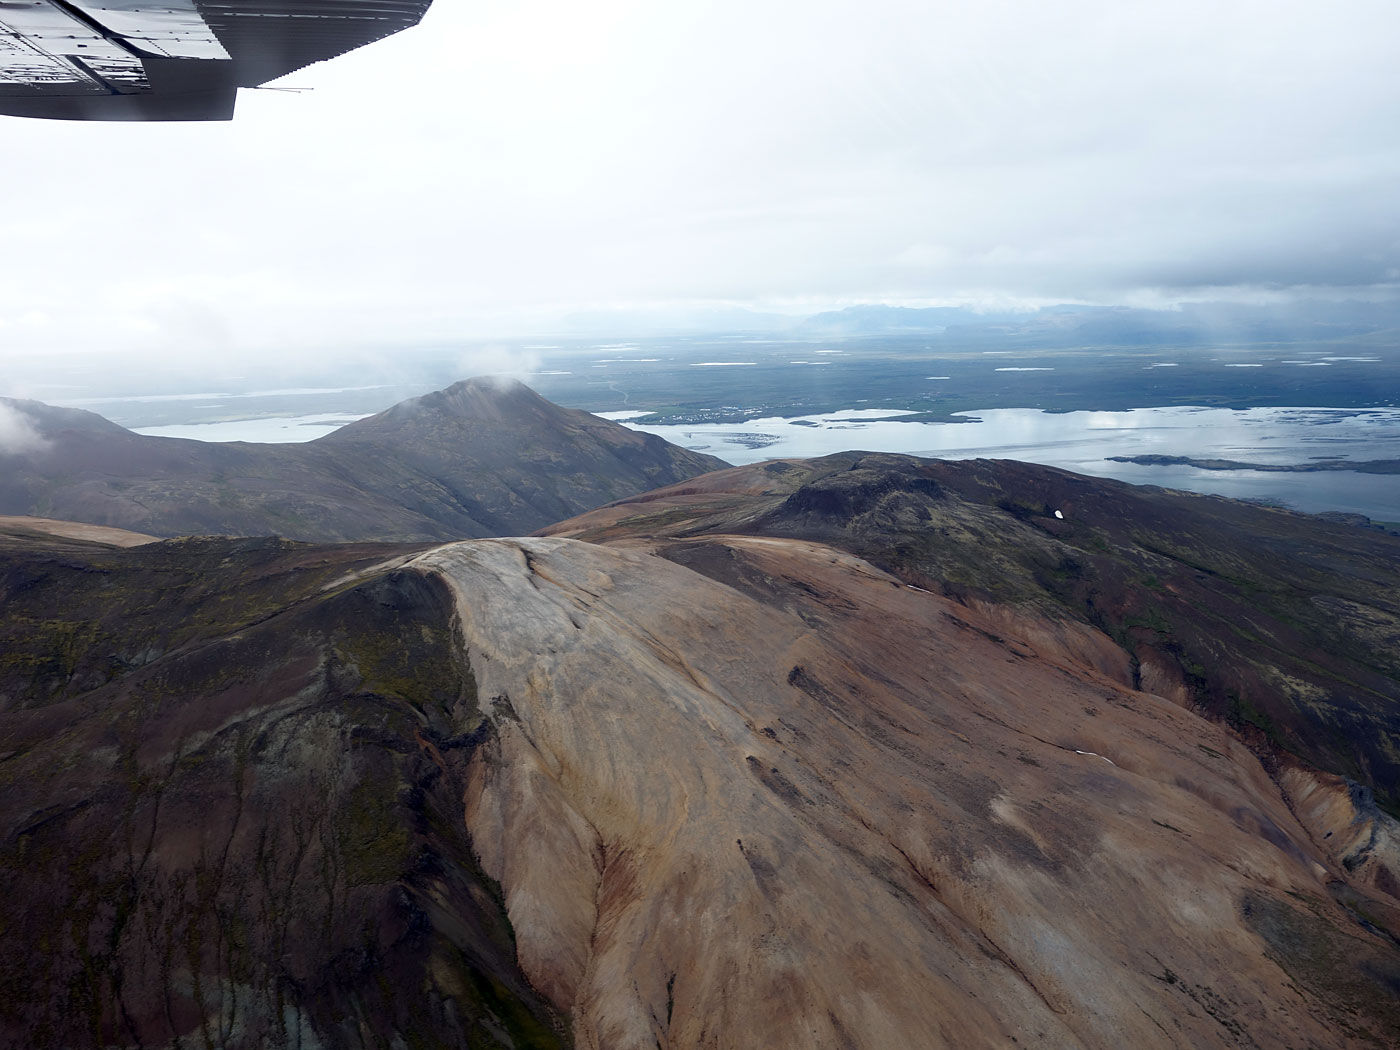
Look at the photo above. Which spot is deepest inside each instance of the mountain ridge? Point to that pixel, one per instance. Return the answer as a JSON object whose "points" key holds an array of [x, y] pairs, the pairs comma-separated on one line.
{"points": [[757, 793], [1284, 625], [483, 457]]}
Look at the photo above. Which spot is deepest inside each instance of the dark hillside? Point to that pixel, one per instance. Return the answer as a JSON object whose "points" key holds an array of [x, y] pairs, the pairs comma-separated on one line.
{"points": [[232, 775], [482, 458]]}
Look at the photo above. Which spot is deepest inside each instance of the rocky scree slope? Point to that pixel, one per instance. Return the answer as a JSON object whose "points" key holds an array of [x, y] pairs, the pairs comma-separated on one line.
{"points": [[485, 457], [1284, 626], [538, 792]]}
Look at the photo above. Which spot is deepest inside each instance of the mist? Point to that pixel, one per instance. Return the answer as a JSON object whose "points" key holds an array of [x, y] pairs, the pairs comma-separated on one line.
{"points": [[17, 432]]}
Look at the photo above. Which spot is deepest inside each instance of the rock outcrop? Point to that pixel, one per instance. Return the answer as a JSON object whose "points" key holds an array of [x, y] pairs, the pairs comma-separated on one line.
{"points": [[231, 775]]}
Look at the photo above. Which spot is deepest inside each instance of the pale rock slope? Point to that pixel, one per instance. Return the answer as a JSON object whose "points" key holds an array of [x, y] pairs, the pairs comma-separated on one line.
{"points": [[782, 799], [73, 530]]}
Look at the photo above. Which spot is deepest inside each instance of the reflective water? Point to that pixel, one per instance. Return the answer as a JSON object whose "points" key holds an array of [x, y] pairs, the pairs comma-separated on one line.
{"points": [[1082, 441], [272, 430]]}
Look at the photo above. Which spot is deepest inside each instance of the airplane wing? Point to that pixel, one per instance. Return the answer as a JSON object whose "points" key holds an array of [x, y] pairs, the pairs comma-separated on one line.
{"points": [[172, 59]]}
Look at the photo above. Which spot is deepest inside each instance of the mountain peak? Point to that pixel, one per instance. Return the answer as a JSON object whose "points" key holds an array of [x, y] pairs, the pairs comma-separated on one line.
{"points": [[490, 386], [486, 456], [486, 398], [46, 419]]}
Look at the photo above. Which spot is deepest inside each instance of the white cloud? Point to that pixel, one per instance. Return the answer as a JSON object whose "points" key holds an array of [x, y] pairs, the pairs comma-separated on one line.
{"points": [[508, 162], [498, 362], [17, 432]]}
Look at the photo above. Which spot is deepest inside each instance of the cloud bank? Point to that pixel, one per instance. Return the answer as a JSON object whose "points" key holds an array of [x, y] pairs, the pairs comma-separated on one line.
{"points": [[508, 163]]}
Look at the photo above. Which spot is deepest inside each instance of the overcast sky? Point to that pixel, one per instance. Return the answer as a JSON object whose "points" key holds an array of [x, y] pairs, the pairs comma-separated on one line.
{"points": [[510, 161]]}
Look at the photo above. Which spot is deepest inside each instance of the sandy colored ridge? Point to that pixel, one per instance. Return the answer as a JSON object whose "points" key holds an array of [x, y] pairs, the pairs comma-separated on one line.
{"points": [[75, 530], [811, 806]]}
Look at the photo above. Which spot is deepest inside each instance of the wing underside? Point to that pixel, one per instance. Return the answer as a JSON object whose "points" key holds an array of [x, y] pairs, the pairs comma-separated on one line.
{"points": [[172, 59]]}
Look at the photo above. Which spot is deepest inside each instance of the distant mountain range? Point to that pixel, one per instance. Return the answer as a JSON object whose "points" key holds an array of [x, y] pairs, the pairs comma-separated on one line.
{"points": [[1067, 324], [1073, 325], [484, 457]]}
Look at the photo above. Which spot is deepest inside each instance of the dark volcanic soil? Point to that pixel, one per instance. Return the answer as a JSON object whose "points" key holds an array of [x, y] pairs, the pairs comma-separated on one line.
{"points": [[231, 779]]}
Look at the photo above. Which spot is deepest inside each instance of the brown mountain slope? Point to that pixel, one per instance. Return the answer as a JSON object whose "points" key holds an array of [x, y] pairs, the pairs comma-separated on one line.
{"points": [[484, 457], [1283, 625], [806, 805], [761, 794]]}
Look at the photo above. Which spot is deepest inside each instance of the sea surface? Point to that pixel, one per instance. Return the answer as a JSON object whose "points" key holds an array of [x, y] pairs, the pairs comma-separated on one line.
{"points": [[270, 430], [1083, 441]]}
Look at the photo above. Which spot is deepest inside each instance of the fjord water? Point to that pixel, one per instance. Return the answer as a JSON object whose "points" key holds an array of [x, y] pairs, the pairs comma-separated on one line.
{"points": [[269, 430], [1083, 441]]}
